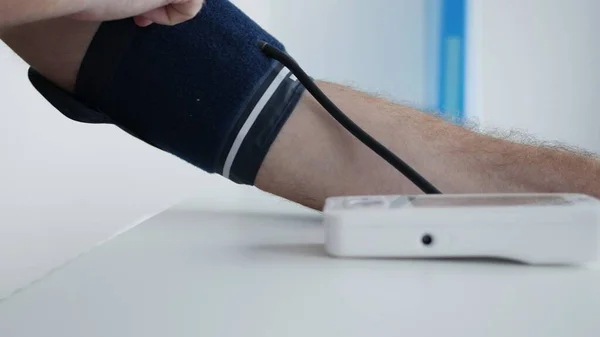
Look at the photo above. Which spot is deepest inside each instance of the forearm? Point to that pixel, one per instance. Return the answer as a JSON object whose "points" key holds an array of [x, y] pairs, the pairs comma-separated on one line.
{"points": [[314, 158], [16, 12]]}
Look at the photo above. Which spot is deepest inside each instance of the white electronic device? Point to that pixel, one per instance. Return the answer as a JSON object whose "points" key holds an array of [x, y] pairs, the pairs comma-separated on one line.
{"points": [[531, 228]]}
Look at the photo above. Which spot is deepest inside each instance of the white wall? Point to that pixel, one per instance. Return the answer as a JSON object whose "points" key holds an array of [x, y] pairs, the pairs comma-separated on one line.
{"points": [[538, 68], [378, 45]]}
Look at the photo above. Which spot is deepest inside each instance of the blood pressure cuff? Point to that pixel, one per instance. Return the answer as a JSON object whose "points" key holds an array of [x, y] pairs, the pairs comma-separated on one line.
{"points": [[202, 90]]}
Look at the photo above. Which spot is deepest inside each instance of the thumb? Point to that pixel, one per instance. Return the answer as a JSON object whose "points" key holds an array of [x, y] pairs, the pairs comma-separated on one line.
{"points": [[172, 14]]}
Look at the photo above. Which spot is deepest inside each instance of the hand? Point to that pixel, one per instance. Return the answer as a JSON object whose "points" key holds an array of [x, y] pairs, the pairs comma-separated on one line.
{"points": [[144, 12]]}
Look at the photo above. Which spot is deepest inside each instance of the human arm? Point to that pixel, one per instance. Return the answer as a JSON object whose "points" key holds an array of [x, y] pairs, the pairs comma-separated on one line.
{"points": [[313, 157], [17, 12]]}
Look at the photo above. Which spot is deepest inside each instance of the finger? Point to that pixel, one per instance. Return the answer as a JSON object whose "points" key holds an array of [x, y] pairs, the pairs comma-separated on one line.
{"points": [[142, 21], [175, 13], [182, 11]]}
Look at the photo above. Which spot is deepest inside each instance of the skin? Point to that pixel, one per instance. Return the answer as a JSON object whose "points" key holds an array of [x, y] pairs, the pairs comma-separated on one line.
{"points": [[313, 157]]}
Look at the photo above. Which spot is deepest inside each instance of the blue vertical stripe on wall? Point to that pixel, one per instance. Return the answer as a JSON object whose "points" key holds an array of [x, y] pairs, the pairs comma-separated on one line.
{"points": [[451, 79]]}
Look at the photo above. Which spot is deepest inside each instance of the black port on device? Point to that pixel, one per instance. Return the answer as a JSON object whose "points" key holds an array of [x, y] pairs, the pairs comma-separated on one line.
{"points": [[427, 239]]}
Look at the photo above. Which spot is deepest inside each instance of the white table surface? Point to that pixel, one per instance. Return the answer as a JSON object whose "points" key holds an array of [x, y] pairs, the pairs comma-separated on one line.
{"points": [[254, 265]]}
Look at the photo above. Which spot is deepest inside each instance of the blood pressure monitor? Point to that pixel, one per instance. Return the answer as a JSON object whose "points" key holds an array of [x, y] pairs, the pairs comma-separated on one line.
{"points": [[531, 228]]}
